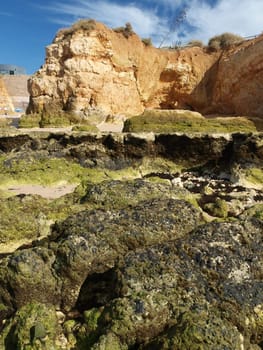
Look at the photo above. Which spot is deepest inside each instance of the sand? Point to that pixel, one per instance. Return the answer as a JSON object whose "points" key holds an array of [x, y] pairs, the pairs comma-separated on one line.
{"points": [[50, 192]]}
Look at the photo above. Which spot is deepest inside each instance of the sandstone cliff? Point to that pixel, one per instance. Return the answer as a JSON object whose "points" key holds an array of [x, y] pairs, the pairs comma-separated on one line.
{"points": [[101, 69], [118, 75]]}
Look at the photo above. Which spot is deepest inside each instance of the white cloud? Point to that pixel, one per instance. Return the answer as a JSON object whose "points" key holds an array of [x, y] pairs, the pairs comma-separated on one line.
{"points": [[145, 22], [150, 18], [240, 17]]}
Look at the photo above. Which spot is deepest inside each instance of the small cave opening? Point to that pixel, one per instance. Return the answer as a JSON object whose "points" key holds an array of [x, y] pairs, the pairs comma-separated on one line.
{"points": [[97, 290]]}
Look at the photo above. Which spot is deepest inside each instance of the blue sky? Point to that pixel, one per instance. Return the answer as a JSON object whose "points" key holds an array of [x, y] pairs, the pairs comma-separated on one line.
{"points": [[28, 26]]}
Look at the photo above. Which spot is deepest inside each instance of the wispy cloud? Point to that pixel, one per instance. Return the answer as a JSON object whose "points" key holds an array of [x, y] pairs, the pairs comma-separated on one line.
{"points": [[7, 14], [145, 22], [152, 18], [237, 16]]}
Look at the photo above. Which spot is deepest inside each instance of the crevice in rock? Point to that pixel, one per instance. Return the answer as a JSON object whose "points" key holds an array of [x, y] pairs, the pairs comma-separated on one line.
{"points": [[97, 290]]}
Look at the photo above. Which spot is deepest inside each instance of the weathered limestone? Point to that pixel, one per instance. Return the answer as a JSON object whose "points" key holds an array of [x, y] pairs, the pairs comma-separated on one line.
{"points": [[102, 70]]}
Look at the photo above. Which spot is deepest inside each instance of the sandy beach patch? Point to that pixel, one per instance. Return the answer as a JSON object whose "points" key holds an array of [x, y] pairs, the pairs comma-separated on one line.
{"points": [[49, 192]]}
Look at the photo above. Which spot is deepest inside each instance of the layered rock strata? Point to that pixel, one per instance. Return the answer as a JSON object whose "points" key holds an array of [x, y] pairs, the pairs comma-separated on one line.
{"points": [[107, 72]]}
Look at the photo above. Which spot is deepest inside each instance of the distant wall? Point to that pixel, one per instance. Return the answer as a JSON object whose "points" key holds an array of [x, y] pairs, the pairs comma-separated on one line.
{"points": [[13, 93], [10, 69], [16, 87]]}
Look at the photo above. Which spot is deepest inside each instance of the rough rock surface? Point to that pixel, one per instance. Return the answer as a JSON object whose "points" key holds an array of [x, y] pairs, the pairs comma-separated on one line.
{"points": [[138, 277], [236, 88], [120, 150], [102, 70], [136, 265]]}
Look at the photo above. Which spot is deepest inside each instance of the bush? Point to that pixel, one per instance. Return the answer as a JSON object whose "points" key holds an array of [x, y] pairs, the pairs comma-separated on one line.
{"points": [[224, 41], [193, 43], [126, 31], [147, 41], [86, 25]]}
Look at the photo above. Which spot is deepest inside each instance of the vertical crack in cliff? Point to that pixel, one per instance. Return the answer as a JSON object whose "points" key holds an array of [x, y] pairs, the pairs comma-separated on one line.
{"points": [[135, 73]]}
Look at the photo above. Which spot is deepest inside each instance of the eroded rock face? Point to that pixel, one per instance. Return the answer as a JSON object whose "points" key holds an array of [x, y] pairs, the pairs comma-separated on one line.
{"points": [[100, 70], [104, 70], [238, 80]]}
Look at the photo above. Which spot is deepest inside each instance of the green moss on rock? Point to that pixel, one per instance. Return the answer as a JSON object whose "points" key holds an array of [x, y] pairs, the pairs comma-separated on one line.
{"points": [[219, 208], [29, 121], [168, 121], [255, 211], [33, 327], [198, 330], [86, 128], [255, 176]]}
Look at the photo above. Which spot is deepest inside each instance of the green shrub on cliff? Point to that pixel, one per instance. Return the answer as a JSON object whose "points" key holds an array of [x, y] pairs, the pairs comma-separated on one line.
{"points": [[195, 42], [86, 25], [126, 31], [223, 41], [147, 41]]}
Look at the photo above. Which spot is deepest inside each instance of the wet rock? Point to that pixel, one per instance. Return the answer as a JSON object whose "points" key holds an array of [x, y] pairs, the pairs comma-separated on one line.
{"points": [[33, 327], [27, 276], [91, 242], [86, 244], [120, 194], [133, 266], [203, 289]]}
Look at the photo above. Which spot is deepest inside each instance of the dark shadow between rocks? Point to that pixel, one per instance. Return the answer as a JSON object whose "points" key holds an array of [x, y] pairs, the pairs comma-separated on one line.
{"points": [[97, 290], [11, 339]]}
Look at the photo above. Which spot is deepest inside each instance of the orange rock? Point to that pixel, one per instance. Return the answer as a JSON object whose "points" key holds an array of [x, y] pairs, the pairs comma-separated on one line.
{"points": [[103, 70]]}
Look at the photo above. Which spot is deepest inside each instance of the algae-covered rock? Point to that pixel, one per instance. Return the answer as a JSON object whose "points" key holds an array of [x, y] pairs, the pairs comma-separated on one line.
{"points": [[203, 291], [120, 194], [129, 264], [91, 241], [23, 217], [164, 121], [86, 244], [254, 211], [33, 327], [198, 329], [27, 276]]}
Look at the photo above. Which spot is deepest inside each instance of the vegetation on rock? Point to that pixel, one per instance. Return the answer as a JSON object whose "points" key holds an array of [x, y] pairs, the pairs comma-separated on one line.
{"points": [[86, 25], [129, 261], [147, 41], [33, 327], [126, 31], [193, 43], [161, 121], [55, 118], [224, 41]]}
